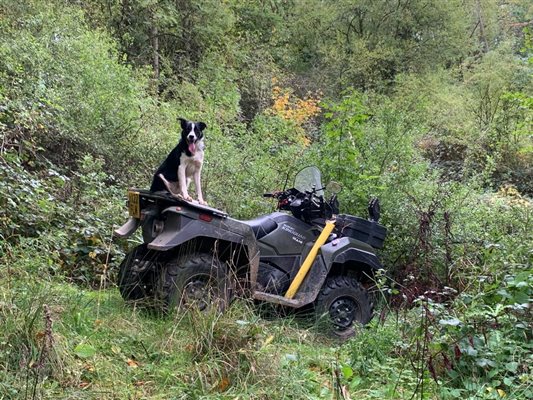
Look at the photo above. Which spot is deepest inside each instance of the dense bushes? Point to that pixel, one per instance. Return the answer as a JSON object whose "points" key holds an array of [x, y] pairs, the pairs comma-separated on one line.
{"points": [[67, 220], [65, 92]]}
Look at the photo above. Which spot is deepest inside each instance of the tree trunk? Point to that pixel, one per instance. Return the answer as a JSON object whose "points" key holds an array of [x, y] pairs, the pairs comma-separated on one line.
{"points": [[155, 49], [482, 37]]}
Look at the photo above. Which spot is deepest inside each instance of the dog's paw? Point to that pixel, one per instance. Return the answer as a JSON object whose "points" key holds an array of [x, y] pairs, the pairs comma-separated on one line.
{"points": [[187, 198], [202, 202]]}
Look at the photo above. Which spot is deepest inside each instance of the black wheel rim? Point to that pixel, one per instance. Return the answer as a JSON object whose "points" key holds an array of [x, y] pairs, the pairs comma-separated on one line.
{"points": [[343, 313], [198, 292]]}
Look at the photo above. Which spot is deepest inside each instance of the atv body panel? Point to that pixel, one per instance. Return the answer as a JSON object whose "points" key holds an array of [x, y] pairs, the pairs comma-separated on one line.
{"points": [[184, 224], [285, 241], [168, 222]]}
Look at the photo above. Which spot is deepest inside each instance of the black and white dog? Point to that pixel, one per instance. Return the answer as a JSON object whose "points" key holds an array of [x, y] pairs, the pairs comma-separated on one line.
{"points": [[183, 163]]}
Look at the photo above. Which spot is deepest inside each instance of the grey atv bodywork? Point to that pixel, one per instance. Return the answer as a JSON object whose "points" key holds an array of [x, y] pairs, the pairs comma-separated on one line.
{"points": [[358, 256], [184, 222], [184, 225]]}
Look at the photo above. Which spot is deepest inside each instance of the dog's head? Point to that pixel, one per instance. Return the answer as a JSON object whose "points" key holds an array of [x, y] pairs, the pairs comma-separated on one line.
{"points": [[192, 133]]}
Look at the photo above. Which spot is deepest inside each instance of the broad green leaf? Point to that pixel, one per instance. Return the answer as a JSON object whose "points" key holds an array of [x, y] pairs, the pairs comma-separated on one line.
{"points": [[84, 350], [347, 371]]}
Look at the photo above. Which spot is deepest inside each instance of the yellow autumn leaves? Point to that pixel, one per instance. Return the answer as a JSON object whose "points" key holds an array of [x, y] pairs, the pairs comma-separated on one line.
{"points": [[513, 196], [288, 106]]}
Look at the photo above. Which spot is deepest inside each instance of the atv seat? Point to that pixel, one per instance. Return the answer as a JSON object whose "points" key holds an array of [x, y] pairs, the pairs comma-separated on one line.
{"points": [[261, 226]]}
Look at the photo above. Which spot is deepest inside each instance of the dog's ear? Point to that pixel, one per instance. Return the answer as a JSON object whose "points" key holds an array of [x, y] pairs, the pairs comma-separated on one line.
{"points": [[183, 123], [201, 126]]}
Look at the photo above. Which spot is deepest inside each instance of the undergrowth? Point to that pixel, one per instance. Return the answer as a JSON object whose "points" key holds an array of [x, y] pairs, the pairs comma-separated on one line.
{"points": [[63, 341], [67, 333]]}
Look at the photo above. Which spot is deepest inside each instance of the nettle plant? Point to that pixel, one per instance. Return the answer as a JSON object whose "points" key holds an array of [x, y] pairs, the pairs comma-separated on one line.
{"points": [[482, 346]]}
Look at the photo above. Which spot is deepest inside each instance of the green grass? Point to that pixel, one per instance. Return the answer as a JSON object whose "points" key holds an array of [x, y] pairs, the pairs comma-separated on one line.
{"points": [[97, 346], [61, 341]]}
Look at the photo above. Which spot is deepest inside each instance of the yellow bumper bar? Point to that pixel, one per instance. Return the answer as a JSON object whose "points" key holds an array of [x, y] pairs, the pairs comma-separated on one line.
{"points": [[308, 262]]}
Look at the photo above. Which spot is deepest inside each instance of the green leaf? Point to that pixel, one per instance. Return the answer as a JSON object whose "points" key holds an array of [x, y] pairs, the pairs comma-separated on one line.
{"points": [[347, 371], [511, 366], [450, 322], [356, 381], [484, 362], [84, 350], [471, 351], [508, 381]]}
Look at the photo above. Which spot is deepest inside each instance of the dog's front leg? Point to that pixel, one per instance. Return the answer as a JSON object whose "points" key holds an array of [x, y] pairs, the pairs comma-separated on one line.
{"points": [[197, 180], [182, 181]]}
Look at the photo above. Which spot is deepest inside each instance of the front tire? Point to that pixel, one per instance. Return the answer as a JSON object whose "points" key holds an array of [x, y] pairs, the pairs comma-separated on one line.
{"points": [[344, 303], [197, 281]]}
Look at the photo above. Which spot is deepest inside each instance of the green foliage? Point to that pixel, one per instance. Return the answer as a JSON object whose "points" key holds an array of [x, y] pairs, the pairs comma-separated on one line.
{"points": [[480, 347], [183, 36], [429, 107], [67, 93], [254, 161], [492, 348], [366, 140], [366, 44], [68, 220], [472, 119]]}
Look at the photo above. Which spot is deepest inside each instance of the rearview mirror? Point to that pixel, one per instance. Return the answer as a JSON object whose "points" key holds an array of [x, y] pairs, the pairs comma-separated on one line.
{"points": [[333, 187]]}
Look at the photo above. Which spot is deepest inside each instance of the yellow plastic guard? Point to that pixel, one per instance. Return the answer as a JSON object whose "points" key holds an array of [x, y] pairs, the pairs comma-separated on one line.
{"points": [[306, 266]]}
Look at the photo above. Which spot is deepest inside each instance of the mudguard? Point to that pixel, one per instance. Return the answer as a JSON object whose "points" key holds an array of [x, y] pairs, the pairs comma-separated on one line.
{"points": [[182, 225], [347, 249], [337, 251]]}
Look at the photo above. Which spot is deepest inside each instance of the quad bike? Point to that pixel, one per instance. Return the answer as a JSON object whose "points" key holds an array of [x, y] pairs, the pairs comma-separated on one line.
{"points": [[195, 255]]}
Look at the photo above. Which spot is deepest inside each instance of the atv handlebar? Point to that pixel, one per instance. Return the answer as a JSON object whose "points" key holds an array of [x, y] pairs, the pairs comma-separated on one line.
{"points": [[306, 206]]}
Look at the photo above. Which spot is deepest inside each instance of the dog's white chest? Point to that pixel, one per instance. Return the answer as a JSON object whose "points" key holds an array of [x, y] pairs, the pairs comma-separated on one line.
{"points": [[193, 163]]}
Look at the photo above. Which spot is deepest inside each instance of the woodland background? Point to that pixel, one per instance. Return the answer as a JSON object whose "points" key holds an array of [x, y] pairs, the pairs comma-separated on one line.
{"points": [[426, 104]]}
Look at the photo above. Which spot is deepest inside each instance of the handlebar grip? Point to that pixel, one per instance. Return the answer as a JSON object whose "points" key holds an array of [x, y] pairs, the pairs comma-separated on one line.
{"points": [[268, 194]]}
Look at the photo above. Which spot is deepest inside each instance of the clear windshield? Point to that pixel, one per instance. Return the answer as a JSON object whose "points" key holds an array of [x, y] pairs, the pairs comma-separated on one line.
{"points": [[307, 179]]}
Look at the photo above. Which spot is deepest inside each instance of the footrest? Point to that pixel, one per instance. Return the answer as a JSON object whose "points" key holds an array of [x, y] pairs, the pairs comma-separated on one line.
{"points": [[274, 298]]}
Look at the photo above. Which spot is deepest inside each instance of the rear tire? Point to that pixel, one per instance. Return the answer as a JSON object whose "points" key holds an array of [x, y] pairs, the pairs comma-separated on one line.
{"points": [[136, 274], [344, 303], [195, 281]]}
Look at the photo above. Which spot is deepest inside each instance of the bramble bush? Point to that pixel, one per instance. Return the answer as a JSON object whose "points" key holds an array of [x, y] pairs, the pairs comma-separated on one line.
{"points": [[68, 220], [65, 92]]}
